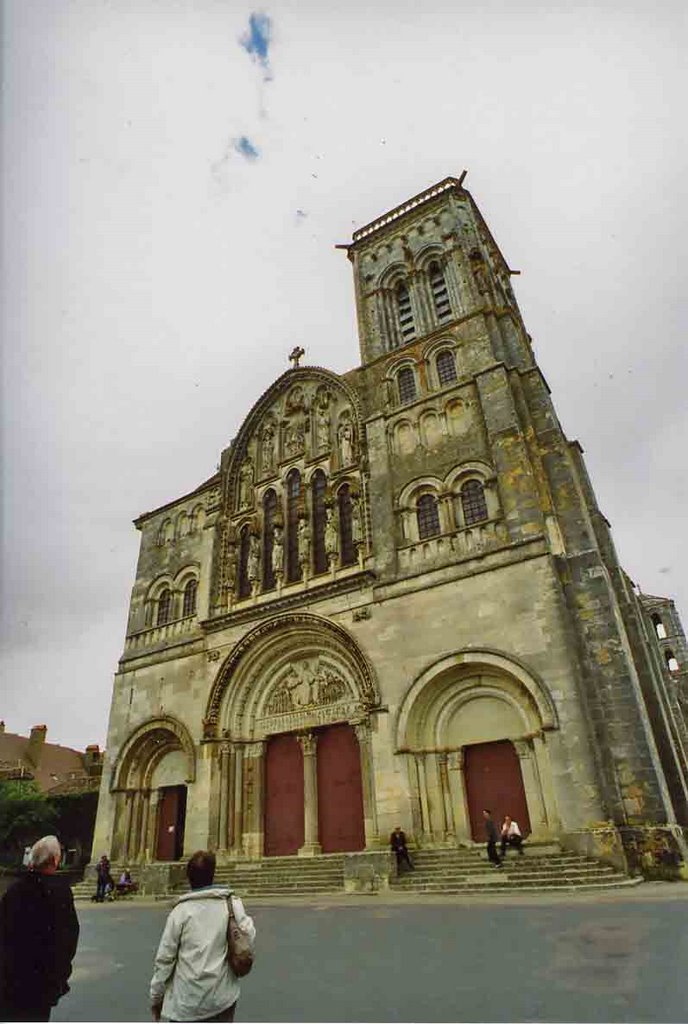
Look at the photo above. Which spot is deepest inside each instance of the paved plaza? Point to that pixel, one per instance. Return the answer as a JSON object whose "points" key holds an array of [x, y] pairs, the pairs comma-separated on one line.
{"points": [[616, 957]]}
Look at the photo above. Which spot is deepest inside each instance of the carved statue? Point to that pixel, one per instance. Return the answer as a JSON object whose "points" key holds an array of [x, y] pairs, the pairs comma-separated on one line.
{"points": [[304, 538], [306, 686], [253, 563], [356, 521], [293, 439], [277, 552], [295, 399], [231, 568], [322, 430], [268, 444], [246, 478], [331, 535], [346, 443]]}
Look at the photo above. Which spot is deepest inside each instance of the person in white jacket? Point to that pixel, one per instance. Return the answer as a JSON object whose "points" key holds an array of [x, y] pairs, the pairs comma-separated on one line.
{"points": [[192, 979]]}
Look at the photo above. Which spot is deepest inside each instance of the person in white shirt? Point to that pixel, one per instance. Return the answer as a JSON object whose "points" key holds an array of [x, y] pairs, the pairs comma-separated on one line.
{"points": [[511, 835], [192, 979]]}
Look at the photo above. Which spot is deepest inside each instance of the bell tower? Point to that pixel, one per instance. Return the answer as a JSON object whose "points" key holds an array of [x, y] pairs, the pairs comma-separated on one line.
{"points": [[427, 269]]}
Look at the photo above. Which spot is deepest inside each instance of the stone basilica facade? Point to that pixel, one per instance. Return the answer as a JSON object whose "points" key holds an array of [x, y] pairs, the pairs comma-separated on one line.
{"points": [[396, 602]]}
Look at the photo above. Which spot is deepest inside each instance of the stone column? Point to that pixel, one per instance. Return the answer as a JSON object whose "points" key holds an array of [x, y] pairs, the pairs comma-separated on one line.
{"points": [[363, 735], [449, 828], [128, 821], [531, 783], [309, 744], [224, 797], [457, 789], [238, 803], [152, 838], [544, 771], [253, 769], [143, 826], [426, 824]]}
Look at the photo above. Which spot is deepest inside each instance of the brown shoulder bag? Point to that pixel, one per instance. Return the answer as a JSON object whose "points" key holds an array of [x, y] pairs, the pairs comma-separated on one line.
{"points": [[239, 952]]}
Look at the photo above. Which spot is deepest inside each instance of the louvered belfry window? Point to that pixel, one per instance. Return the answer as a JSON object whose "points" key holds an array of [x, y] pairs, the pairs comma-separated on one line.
{"points": [[190, 591], [446, 367], [269, 510], [164, 606], [428, 516], [473, 502], [406, 382], [244, 581], [318, 488], [346, 539], [440, 295], [407, 326], [293, 496]]}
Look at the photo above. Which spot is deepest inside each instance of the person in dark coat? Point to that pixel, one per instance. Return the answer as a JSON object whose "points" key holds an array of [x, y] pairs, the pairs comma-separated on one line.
{"points": [[103, 878], [397, 841], [39, 932], [492, 837]]}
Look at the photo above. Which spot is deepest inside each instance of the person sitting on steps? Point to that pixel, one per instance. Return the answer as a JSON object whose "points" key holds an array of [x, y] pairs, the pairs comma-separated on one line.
{"points": [[398, 843], [511, 835]]}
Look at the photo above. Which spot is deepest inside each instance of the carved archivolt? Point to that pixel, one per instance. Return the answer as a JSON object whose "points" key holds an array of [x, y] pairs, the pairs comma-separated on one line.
{"points": [[145, 748], [468, 675], [294, 671]]}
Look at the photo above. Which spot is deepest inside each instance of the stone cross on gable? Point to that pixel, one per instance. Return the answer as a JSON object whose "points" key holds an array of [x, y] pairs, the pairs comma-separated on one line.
{"points": [[294, 356]]}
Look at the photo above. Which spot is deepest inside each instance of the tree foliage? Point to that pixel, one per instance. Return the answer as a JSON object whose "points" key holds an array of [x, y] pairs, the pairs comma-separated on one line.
{"points": [[25, 816]]}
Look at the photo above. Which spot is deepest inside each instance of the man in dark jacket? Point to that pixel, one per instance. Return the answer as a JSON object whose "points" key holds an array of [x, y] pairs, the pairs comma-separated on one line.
{"points": [[398, 843], [39, 931], [491, 833]]}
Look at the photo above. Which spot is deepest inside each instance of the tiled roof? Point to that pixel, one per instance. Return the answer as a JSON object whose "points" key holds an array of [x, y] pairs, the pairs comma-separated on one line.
{"points": [[56, 765]]}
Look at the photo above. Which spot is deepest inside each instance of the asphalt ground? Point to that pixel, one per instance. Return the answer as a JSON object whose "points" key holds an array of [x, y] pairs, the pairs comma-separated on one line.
{"points": [[621, 956]]}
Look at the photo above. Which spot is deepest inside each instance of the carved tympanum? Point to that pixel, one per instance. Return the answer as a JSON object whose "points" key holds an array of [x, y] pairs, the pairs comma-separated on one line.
{"points": [[306, 685]]}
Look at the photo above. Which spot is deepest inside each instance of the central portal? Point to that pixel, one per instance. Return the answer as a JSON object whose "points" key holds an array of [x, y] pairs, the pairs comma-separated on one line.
{"points": [[335, 764]]}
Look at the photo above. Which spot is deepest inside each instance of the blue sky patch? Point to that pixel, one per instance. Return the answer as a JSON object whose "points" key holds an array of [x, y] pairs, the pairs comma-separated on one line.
{"points": [[244, 146], [256, 41]]}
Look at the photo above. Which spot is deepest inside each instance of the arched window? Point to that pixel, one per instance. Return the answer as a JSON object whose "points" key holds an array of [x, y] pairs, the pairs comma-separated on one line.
{"points": [[406, 383], [164, 606], [346, 538], [473, 502], [293, 497], [244, 545], [318, 488], [659, 627], [672, 663], [428, 516], [446, 367], [269, 511], [440, 295], [407, 327], [190, 590]]}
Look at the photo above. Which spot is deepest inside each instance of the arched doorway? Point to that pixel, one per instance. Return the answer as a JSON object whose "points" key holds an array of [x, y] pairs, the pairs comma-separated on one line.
{"points": [[150, 781], [294, 700], [474, 728]]}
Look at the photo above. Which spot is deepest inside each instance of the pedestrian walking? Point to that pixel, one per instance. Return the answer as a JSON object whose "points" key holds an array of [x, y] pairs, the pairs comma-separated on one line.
{"points": [[39, 931], [511, 835], [492, 837], [397, 841], [192, 979]]}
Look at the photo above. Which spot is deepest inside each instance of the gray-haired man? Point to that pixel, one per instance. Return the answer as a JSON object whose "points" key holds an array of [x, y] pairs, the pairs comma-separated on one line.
{"points": [[39, 931]]}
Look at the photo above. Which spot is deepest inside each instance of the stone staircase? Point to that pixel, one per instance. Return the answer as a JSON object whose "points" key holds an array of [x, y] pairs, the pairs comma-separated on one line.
{"points": [[438, 872], [282, 876], [540, 869]]}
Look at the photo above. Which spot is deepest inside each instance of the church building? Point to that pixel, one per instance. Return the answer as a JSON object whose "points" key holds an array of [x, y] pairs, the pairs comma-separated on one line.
{"points": [[396, 602]]}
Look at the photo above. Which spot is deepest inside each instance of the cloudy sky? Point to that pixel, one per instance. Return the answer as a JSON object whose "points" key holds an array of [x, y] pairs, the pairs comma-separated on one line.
{"points": [[175, 177]]}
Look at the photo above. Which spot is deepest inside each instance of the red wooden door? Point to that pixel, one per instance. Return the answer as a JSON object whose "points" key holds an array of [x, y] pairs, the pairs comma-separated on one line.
{"points": [[340, 792], [494, 781], [171, 819], [284, 832]]}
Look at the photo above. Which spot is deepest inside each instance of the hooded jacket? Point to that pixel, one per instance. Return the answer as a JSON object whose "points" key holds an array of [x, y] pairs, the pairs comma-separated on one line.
{"points": [[191, 976]]}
